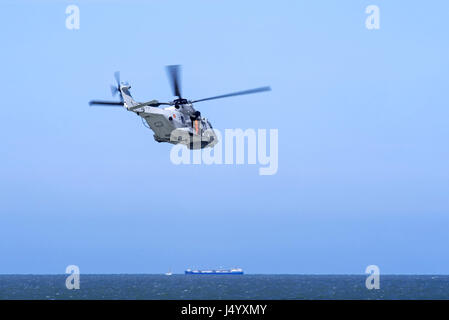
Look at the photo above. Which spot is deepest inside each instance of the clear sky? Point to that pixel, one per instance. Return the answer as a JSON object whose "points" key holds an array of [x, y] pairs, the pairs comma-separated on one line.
{"points": [[363, 137]]}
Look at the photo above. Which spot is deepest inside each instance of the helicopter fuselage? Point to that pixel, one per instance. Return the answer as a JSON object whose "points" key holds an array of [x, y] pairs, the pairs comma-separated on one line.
{"points": [[178, 124]]}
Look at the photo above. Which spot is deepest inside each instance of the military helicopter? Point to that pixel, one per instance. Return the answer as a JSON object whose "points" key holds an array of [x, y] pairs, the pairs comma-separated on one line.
{"points": [[177, 123]]}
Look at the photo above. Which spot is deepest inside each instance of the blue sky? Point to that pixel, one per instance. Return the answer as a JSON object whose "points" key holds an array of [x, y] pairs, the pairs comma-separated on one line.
{"points": [[363, 138]]}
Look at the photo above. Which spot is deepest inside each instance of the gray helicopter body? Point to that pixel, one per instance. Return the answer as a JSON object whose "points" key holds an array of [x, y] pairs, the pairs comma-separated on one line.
{"points": [[174, 124], [179, 123]]}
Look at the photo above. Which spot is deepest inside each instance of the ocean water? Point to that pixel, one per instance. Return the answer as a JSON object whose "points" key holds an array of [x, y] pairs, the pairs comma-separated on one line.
{"points": [[130, 286]]}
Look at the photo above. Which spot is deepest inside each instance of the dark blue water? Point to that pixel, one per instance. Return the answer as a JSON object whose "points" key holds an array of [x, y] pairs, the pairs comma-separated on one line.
{"points": [[223, 287]]}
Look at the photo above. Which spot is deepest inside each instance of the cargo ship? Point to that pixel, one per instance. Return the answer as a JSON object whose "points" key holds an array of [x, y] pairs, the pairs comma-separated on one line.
{"points": [[216, 271]]}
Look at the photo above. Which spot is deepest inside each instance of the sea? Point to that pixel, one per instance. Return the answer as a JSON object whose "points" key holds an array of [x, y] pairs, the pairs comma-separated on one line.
{"points": [[229, 287]]}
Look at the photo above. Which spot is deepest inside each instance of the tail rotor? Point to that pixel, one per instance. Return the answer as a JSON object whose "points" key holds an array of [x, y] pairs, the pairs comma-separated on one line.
{"points": [[114, 90]]}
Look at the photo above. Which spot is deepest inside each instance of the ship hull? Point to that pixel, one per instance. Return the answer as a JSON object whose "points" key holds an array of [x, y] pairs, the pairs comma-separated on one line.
{"points": [[212, 272]]}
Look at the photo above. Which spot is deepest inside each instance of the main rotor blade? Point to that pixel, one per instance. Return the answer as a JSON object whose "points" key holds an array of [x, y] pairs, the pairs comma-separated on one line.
{"points": [[239, 93], [105, 103], [173, 73]]}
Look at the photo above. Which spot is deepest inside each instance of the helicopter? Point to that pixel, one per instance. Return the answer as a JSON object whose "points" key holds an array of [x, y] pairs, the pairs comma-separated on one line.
{"points": [[179, 122]]}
